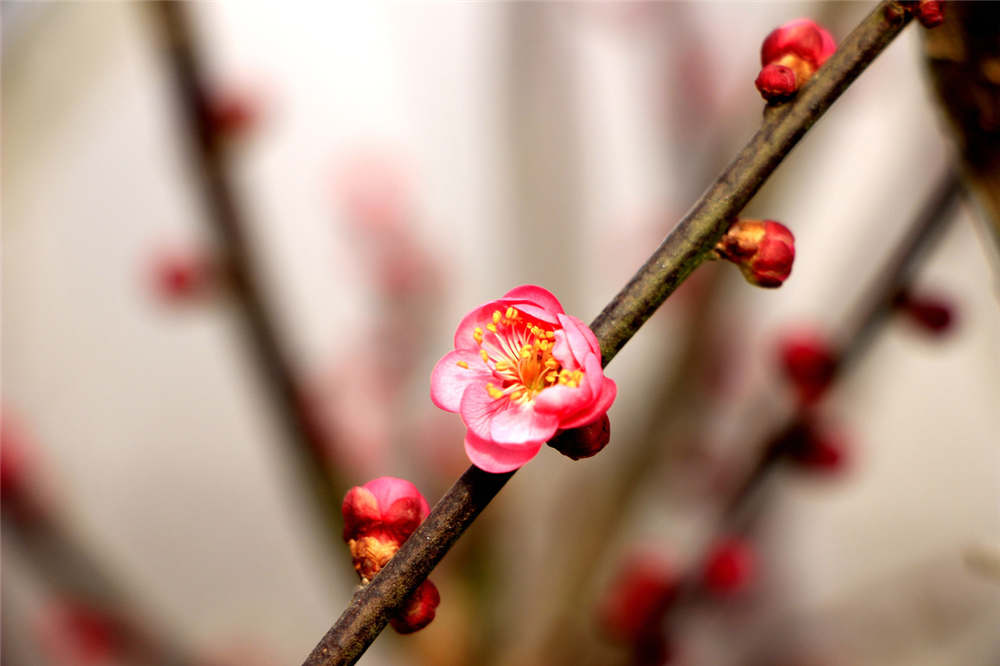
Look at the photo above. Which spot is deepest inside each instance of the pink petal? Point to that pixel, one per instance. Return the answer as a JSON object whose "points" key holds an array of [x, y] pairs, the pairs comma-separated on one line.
{"points": [[521, 423], [608, 392], [543, 298], [449, 380], [563, 400], [481, 316], [388, 489], [478, 409], [580, 344], [541, 314], [491, 457]]}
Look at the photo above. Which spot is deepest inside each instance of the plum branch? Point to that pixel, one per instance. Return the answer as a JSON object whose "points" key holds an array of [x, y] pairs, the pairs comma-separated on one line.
{"points": [[687, 246]]}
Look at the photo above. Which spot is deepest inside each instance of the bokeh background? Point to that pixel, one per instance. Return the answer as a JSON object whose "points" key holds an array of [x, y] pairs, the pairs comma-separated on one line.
{"points": [[398, 164]]}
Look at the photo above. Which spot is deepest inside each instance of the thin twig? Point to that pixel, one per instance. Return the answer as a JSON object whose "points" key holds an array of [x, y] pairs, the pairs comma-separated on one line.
{"points": [[675, 259], [246, 284]]}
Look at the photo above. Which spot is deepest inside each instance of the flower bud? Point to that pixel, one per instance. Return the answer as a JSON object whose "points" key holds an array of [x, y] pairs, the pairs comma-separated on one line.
{"points": [[74, 632], [378, 517], [809, 363], [930, 13], [585, 441], [232, 112], [933, 314], [813, 447], [638, 598], [764, 250], [182, 275], [798, 48], [419, 609], [730, 567]]}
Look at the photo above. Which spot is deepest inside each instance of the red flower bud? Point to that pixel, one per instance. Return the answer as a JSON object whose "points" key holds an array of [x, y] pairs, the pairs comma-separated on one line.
{"points": [[181, 275], [809, 363], [76, 633], [419, 609], [776, 82], [378, 517], [730, 567], [799, 47], [585, 441], [232, 112], [638, 598], [933, 314], [930, 13], [764, 250], [814, 448]]}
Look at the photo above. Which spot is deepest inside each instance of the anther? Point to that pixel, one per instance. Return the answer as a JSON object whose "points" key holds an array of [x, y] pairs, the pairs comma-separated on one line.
{"points": [[462, 364]]}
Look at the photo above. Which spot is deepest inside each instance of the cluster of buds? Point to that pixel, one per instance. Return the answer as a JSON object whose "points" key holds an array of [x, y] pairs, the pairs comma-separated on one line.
{"points": [[764, 250], [790, 56], [809, 363], [730, 567], [585, 441], [378, 517], [930, 13], [932, 314]]}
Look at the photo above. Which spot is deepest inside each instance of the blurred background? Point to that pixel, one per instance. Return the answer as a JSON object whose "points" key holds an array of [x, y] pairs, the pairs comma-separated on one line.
{"points": [[184, 406]]}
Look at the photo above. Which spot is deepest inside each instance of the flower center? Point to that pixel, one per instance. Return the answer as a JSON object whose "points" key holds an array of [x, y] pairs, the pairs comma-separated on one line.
{"points": [[519, 352]]}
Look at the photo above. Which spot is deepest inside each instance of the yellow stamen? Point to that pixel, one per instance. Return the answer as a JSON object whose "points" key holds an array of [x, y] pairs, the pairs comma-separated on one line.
{"points": [[494, 392], [462, 364], [551, 363], [486, 357], [511, 313], [477, 335], [492, 328], [503, 365], [496, 316]]}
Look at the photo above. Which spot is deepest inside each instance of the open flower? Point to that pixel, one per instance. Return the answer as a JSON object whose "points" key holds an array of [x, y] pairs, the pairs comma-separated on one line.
{"points": [[521, 370]]}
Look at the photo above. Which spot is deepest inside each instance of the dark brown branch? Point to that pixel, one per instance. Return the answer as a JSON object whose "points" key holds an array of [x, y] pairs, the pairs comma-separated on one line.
{"points": [[682, 251], [230, 225]]}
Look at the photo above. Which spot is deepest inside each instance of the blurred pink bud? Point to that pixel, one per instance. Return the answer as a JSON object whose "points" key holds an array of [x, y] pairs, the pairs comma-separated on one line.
{"points": [[182, 275], [730, 567], [374, 193], [233, 112], [930, 13], [809, 363], [801, 46], [419, 609], [933, 314], [378, 517], [20, 496], [585, 441], [764, 250], [77, 634], [638, 598]]}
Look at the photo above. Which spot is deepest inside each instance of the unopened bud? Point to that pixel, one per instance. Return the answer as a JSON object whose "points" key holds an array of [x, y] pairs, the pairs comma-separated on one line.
{"points": [[730, 567], [933, 314], [378, 517], [585, 441], [764, 250], [233, 112], [419, 609], [798, 48], [930, 13], [640, 594], [181, 275], [809, 363], [814, 447]]}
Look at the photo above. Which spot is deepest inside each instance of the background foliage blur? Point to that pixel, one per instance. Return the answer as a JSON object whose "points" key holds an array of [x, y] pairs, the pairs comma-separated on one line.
{"points": [[400, 163]]}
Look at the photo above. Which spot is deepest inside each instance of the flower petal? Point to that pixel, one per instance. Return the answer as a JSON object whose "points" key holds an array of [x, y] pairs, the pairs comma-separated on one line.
{"points": [[563, 400], [481, 316], [522, 423], [609, 391], [478, 409], [581, 340], [491, 457], [543, 298], [449, 380]]}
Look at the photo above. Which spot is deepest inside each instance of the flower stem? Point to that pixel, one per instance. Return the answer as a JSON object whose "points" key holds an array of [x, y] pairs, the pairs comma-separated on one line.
{"points": [[683, 250]]}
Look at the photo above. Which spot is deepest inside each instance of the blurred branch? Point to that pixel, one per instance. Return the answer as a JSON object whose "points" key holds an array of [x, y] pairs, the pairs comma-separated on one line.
{"points": [[230, 224], [76, 576], [682, 251]]}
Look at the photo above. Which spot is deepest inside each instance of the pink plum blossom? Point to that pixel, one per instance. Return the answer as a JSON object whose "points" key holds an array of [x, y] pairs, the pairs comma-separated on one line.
{"points": [[522, 369]]}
